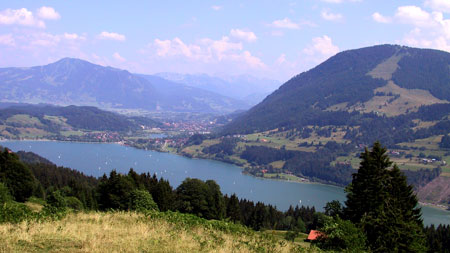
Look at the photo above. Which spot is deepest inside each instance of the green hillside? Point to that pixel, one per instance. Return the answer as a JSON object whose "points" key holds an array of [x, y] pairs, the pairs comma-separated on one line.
{"points": [[338, 91], [45, 121]]}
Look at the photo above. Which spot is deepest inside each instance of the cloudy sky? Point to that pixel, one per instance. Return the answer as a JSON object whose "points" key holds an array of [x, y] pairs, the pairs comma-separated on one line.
{"points": [[272, 39]]}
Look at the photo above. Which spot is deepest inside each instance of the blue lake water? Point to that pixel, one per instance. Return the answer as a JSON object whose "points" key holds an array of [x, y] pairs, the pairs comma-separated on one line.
{"points": [[96, 159]]}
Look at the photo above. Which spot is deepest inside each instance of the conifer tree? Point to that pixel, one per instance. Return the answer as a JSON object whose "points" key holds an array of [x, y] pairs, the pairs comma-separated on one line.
{"points": [[382, 203], [233, 209]]}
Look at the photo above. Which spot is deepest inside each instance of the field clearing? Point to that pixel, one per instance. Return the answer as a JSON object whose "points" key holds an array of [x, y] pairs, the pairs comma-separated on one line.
{"points": [[30, 132], [281, 234], [57, 120], [69, 133], [196, 149], [430, 143], [284, 176], [277, 164], [423, 124], [24, 120], [133, 232], [354, 161], [409, 100]]}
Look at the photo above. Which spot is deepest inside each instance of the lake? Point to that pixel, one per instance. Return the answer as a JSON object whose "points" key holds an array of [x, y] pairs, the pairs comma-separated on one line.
{"points": [[96, 159]]}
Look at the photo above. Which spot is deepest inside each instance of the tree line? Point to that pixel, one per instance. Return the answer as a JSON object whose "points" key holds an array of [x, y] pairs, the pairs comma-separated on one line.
{"points": [[381, 213]]}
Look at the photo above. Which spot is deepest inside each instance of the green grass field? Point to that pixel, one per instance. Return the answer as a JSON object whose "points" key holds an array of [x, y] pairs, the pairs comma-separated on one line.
{"points": [[135, 232]]}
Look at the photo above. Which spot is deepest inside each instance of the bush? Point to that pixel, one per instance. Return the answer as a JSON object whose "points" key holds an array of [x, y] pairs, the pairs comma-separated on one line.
{"points": [[14, 212], [74, 203], [5, 196], [291, 235], [55, 203], [141, 201], [342, 236]]}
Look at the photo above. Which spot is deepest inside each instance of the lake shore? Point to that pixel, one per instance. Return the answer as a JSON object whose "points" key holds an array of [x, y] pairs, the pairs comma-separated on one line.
{"points": [[282, 177]]}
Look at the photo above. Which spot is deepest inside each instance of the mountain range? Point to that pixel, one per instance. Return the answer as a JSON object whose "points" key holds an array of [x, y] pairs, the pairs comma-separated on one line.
{"points": [[77, 82], [243, 87]]}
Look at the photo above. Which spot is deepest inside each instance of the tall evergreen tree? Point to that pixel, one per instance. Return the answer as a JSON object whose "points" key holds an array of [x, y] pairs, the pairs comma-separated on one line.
{"points": [[233, 209], [382, 203], [16, 176]]}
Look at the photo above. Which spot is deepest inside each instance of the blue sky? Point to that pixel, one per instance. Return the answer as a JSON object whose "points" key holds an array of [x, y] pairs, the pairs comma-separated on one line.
{"points": [[271, 39]]}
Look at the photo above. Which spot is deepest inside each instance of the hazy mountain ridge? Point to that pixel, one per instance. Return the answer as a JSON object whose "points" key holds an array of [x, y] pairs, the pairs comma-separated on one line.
{"points": [[73, 81], [244, 87], [182, 96]]}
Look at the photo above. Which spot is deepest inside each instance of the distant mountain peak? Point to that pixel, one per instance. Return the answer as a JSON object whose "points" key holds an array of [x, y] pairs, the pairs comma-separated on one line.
{"points": [[79, 82]]}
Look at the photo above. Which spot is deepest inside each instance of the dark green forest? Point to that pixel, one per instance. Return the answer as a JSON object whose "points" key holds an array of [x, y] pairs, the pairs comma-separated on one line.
{"points": [[78, 117], [381, 212]]}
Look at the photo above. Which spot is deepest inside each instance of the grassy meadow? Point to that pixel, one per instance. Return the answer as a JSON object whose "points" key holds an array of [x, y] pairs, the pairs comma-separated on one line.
{"points": [[136, 232]]}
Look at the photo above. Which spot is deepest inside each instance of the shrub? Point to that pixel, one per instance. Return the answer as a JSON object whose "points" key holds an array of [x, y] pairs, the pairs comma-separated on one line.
{"points": [[5, 196], [14, 212], [55, 203], [74, 203], [141, 201], [342, 236]]}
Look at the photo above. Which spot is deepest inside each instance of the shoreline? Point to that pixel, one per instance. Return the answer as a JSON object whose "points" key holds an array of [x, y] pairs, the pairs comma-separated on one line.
{"points": [[307, 181], [435, 206]]}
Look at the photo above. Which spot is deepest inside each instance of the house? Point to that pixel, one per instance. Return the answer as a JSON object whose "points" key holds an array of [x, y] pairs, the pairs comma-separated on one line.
{"points": [[313, 235]]}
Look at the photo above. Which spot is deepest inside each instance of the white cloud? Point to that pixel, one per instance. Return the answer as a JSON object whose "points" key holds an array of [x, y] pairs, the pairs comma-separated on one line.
{"points": [[48, 13], [20, 17], [73, 36], [243, 35], [281, 59], [413, 15], [7, 39], [207, 51], [380, 18], [118, 57], [331, 16], [430, 29], [322, 46], [111, 36], [438, 5], [217, 7], [45, 39], [285, 23]]}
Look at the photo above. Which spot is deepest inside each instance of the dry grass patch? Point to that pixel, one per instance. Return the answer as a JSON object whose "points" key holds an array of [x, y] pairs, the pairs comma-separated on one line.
{"points": [[129, 232]]}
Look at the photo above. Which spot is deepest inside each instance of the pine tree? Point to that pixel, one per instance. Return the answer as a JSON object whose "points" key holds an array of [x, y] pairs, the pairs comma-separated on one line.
{"points": [[382, 203], [233, 209]]}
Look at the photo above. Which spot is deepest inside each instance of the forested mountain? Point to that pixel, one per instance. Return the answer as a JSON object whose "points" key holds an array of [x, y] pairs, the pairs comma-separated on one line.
{"points": [[76, 82], [248, 88], [357, 87], [40, 119]]}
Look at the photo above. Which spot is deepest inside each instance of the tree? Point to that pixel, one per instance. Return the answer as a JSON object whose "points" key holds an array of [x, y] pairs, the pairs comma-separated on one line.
{"points": [[203, 199], [233, 209], [163, 194], [333, 208], [342, 236], [16, 176], [141, 201], [381, 202], [114, 192]]}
